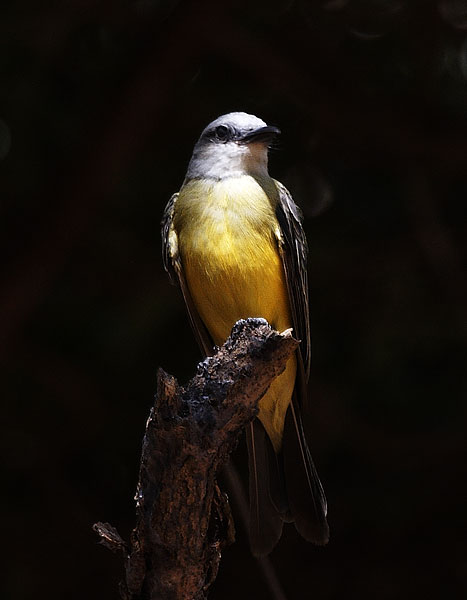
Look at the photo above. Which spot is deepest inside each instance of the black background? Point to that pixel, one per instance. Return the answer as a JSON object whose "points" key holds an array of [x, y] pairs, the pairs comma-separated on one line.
{"points": [[100, 105]]}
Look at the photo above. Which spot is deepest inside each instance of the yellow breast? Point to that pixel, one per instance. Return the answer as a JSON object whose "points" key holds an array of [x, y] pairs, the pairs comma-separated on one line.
{"points": [[233, 268]]}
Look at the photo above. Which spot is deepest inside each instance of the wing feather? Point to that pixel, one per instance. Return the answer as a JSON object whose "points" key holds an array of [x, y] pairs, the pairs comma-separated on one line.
{"points": [[307, 501], [293, 249], [174, 267]]}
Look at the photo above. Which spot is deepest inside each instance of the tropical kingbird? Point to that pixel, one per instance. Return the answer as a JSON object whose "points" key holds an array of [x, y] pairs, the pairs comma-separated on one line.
{"points": [[233, 240]]}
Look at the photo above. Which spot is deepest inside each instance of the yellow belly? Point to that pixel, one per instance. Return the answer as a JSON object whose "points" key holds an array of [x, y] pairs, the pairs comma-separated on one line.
{"points": [[233, 270]]}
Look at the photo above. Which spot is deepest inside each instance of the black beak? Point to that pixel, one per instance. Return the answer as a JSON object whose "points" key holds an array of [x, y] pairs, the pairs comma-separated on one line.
{"points": [[263, 134]]}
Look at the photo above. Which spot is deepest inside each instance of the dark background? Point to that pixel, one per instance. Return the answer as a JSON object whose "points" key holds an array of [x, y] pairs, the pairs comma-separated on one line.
{"points": [[100, 105]]}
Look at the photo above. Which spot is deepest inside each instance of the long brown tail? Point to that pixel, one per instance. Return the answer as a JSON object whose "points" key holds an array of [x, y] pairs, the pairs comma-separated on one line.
{"points": [[265, 519], [284, 486], [305, 493]]}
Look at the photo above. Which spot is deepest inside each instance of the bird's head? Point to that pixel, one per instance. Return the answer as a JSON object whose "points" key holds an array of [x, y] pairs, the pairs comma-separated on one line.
{"points": [[234, 144]]}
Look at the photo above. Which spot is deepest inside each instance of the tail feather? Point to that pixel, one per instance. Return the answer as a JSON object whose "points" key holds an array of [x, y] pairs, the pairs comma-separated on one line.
{"points": [[305, 493], [285, 486], [265, 520]]}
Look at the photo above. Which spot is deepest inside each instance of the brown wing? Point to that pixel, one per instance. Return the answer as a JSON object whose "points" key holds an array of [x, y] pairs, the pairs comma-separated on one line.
{"points": [[307, 501], [293, 249], [174, 267]]}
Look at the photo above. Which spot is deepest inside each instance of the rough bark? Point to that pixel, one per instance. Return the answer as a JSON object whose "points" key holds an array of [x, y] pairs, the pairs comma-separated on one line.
{"points": [[183, 520]]}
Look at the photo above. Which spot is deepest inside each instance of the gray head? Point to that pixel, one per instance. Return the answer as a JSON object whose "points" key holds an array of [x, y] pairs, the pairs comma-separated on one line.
{"points": [[234, 144]]}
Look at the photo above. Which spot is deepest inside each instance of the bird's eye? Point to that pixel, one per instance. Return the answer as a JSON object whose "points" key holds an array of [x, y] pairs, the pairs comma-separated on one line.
{"points": [[222, 132]]}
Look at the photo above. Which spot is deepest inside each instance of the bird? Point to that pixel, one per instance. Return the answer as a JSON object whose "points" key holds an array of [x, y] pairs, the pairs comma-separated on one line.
{"points": [[233, 240]]}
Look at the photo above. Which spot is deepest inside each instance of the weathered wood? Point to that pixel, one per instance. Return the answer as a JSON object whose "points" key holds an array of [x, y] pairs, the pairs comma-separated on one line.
{"points": [[183, 520]]}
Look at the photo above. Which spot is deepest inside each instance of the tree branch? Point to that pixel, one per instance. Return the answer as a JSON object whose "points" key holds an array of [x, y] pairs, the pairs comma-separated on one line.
{"points": [[183, 520]]}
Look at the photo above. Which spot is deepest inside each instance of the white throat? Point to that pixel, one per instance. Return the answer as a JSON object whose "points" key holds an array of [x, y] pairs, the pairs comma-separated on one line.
{"points": [[220, 161]]}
